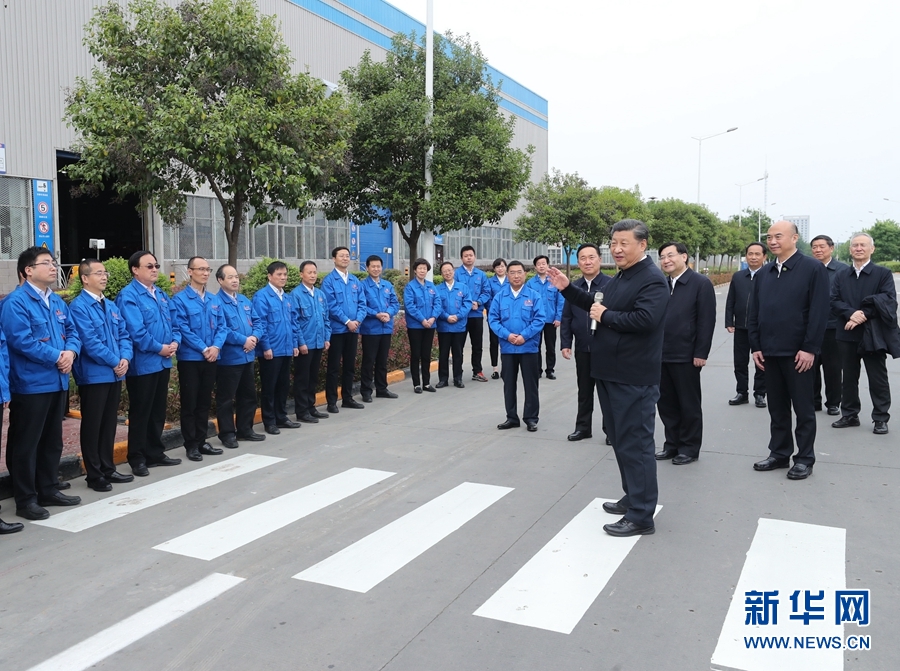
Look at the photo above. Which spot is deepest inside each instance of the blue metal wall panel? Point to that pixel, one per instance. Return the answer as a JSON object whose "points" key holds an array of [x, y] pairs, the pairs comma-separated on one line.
{"points": [[372, 240]]}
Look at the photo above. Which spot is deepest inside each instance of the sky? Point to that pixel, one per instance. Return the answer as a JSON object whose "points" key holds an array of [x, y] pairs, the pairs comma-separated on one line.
{"points": [[812, 88]]}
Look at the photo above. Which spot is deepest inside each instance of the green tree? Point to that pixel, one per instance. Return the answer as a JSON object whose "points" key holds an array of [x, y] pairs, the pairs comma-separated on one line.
{"points": [[561, 209], [694, 225], [477, 176], [752, 220], [886, 234], [203, 94], [614, 204]]}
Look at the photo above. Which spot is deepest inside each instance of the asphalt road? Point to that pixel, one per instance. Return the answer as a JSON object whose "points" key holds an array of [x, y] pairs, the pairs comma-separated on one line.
{"points": [[405, 518]]}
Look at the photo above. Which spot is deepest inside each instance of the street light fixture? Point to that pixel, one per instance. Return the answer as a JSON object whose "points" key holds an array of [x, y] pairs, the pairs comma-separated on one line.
{"points": [[740, 196], [700, 154]]}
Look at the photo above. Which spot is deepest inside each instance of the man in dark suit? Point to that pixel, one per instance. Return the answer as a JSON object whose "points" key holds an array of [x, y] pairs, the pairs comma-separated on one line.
{"points": [[690, 321], [576, 323], [737, 312], [829, 361], [626, 354], [788, 313], [851, 285]]}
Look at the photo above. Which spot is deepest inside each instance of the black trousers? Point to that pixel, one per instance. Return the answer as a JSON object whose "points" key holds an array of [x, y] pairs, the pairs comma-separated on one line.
{"points": [[586, 386], [879, 388], [828, 362], [34, 444], [475, 329], [196, 380], [375, 350], [531, 372], [306, 378], [788, 388], [420, 342], [341, 366], [630, 415], [494, 347], [147, 400], [741, 359], [680, 408], [274, 382], [99, 416], [451, 343], [235, 396], [549, 337]]}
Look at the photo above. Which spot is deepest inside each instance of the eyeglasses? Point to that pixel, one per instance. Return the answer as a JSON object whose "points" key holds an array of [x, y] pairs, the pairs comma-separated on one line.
{"points": [[52, 264], [152, 266], [664, 257], [99, 273], [202, 270]]}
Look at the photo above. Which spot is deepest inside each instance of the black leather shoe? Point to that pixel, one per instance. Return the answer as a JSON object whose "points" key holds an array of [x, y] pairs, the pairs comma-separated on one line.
{"points": [[418, 390], [441, 384], [771, 463], [844, 422], [308, 418], [495, 375], [614, 508], [385, 394], [683, 459], [578, 435], [273, 430], [288, 424], [551, 375], [193, 454], [662, 455], [164, 461], [229, 441], [760, 400], [428, 387], [119, 478], [366, 398], [10, 527], [318, 415], [609, 441], [531, 426], [252, 436], [206, 448], [350, 403], [140, 470], [508, 424], [58, 499], [333, 409], [32, 512], [800, 472], [833, 410], [624, 528], [740, 399], [101, 485], [62, 485], [880, 428], [459, 384]]}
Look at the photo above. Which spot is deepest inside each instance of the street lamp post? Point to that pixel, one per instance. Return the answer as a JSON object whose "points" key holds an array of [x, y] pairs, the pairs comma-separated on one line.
{"points": [[740, 197], [700, 154]]}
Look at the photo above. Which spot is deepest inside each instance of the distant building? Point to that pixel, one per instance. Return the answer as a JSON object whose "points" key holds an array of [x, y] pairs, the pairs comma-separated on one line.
{"points": [[801, 221]]}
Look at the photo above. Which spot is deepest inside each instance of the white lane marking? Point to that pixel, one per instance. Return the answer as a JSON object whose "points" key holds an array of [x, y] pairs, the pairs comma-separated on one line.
{"points": [[230, 533], [786, 556], [105, 510], [141, 624], [554, 589], [367, 562]]}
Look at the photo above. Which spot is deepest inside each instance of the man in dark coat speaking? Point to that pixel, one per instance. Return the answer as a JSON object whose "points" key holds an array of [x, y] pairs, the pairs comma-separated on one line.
{"points": [[626, 354]]}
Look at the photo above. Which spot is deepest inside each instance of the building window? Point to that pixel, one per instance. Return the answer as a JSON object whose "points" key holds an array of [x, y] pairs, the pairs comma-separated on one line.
{"points": [[16, 217]]}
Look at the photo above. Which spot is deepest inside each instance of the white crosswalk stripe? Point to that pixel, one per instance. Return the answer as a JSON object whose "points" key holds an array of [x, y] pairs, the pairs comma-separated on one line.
{"points": [[367, 562], [141, 498], [230, 533], [554, 589]]}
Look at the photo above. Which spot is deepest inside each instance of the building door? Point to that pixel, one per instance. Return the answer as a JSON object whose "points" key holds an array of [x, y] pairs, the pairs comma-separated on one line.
{"points": [[373, 239]]}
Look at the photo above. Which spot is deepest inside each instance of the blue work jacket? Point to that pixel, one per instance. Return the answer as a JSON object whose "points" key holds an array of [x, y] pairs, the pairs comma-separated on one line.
{"points": [[315, 324], [420, 302], [241, 322], [379, 297], [104, 339], [494, 286], [477, 283], [149, 323], [552, 299], [523, 315], [346, 301], [200, 321], [456, 301], [280, 322], [4, 369], [36, 336]]}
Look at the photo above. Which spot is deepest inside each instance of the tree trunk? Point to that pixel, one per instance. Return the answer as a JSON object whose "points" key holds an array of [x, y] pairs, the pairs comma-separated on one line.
{"points": [[412, 240]]}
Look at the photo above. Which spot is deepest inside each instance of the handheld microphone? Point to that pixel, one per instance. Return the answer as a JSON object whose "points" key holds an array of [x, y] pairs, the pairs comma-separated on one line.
{"points": [[598, 300]]}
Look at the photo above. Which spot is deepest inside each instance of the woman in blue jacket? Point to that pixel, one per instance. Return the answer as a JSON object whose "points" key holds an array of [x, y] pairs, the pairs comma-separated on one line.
{"points": [[5, 527], [422, 307], [456, 301], [495, 283]]}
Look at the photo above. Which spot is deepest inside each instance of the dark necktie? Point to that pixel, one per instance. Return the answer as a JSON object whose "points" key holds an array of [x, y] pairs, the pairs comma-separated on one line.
{"points": [[671, 285]]}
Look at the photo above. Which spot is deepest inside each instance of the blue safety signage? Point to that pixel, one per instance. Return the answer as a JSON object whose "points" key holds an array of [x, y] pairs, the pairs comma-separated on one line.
{"points": [[43, 213]]}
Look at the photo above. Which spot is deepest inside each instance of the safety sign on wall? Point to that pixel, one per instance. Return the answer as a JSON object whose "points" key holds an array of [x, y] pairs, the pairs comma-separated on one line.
{"points": [[43, 213]]}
